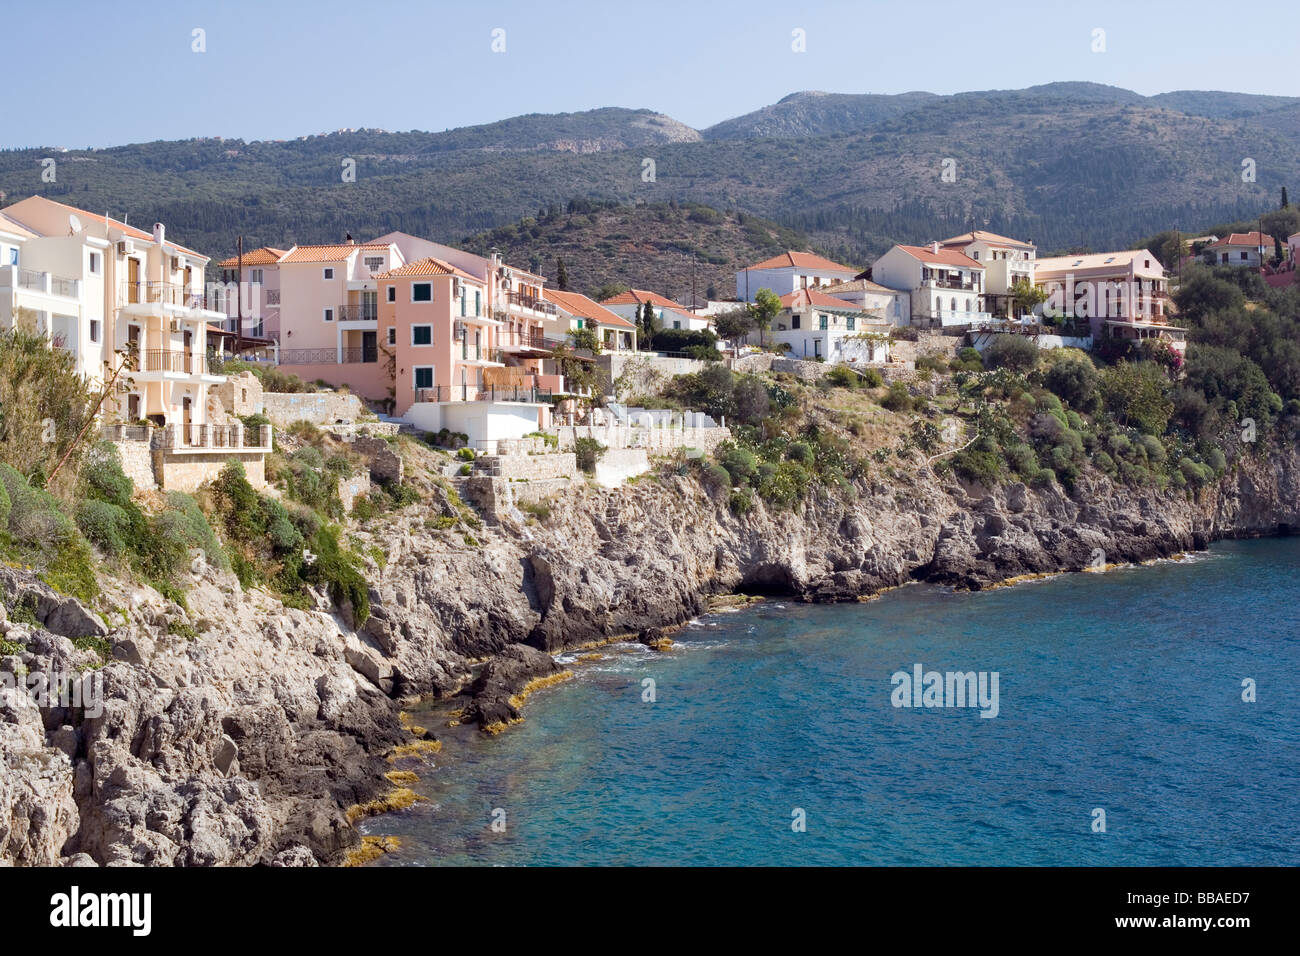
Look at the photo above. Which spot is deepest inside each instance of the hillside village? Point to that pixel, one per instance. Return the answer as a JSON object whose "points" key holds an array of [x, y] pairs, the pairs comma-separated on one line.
{"points": [[291, 376]]}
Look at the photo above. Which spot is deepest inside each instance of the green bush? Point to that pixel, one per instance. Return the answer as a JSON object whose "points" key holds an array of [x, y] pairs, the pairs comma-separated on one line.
{"points": [[587, 451], [897, 399], [871, 378], [1015, 352], [841, 376], [465, 454], [104, 525]]}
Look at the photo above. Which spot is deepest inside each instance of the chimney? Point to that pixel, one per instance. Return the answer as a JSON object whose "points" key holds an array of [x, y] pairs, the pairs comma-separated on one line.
{"points": [[934, 247], [159, 233]]}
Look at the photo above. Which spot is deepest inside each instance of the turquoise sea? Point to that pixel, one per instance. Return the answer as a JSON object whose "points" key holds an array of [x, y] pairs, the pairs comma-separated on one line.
{"points": [[1119, 691]]}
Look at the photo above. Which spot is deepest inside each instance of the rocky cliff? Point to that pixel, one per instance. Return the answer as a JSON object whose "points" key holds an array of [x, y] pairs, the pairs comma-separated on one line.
{"points": [[239, 731]]}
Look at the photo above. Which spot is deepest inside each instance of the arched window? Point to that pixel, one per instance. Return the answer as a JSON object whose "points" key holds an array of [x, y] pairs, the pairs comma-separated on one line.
{"points": [[954, 304]]}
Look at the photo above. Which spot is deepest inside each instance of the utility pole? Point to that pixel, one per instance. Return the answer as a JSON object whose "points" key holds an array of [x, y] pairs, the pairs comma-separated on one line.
{"points": [[239, 296]]}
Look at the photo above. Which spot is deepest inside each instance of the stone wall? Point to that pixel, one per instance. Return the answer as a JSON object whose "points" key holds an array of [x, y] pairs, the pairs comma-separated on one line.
{"points": [[385, 464], [617, 465], [353, 487], [137, 463], [927, 343], [636, 373], [754, 362], [186, 472], [240, 394], [804, 371], [495, 496], [531, 467], [319, 408]]}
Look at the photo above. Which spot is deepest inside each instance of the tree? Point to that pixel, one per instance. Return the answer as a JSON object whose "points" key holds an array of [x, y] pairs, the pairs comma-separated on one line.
{"points": [[765, 307], [1015, 352], [1137, 394], [1026, 297], [607, 291], [648, 324], [732, 326], [585, 338], [561, 275], [1284, 199]]}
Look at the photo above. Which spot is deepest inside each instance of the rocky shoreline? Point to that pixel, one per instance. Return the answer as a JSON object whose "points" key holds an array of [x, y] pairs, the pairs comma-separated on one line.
{"points": [[241, 732]]}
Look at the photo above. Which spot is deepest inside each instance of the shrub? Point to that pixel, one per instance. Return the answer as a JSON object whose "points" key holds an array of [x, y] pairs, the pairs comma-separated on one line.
{"points": [[587, 451], [467, 469], [104, 525], [871, 378], [740, 463], [1015, 352], [897, 399], [741, 501], [801, 452], [842, 376], [465, 454], [1076, 381], [715, 479]]}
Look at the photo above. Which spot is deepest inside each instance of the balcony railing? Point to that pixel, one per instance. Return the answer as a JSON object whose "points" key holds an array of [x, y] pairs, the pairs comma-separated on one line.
{"points": [[36, 281], [479, 353], [165, 293], [272, 296], [488, 393], [329, 356], [529, 302], [358, 312], [175, 360]]}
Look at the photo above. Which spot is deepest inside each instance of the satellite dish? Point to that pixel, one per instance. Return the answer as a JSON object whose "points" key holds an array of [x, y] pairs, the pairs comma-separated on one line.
{"points": [[74, 224]]}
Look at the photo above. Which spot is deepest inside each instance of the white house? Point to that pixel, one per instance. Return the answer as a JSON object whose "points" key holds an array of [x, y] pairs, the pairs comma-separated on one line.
{"points": [[946, 286], [576, 312], [889, 305], [1006, 262], [669, 314], [1242, 249], [814, 325], [1293, 243], [790, 271]]}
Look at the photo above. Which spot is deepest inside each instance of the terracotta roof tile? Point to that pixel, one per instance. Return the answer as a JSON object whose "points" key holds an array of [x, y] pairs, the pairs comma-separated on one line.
{"points": [[944, 257], [575, 303], [802, 260], [992, 238], [428, 266], [328, 253], [639, 297], [265, 256]]}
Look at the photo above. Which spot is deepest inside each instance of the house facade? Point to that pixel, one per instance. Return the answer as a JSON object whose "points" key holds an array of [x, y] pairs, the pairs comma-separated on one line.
{"points": [[1006, 262], [816, 326], [888, 305], [1249, 249], [946, 287], [128, 301], [789, 272], [575, 312], [259, 285], [1120, 294], [668, 314]]}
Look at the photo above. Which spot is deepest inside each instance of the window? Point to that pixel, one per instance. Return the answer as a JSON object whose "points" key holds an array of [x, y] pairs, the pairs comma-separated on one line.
{"points": [[94, 330], [464, 300], [677, 323], [422, 335], [478, 302], [375, 263], [898, 308], [1243, 255], [822, 322], [851, 323], [424, 376], [975, 255], [329, 315], [13, 255], [329, 273], [580, 323], [94, 263], [392, 293], [255, 275], [794, 321], [392, 336], [421, 291]]}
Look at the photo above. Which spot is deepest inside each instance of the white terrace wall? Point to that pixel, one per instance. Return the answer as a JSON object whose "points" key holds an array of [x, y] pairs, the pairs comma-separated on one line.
{"points": [[655, 441], [635, 373]]}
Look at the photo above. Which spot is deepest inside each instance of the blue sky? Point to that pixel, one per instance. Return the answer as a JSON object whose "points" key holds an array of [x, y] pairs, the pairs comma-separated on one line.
{"points": [[276, 70]]}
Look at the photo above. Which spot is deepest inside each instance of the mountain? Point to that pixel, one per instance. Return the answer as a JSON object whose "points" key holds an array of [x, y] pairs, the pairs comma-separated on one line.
{"points": [[677, 249], [812, 113], [1067, 164]]}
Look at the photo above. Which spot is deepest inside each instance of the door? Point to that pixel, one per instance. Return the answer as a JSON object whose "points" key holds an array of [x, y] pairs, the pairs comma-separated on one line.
{"points": [[186, 420], [133, 346], [132, 280], [370, 346], [133, 407], [189, 352]]}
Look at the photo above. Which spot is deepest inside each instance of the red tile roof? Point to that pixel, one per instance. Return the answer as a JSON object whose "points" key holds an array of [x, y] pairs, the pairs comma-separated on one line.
{"points": [[575, 303], [329, 253], [639, 297], [814, 298], [265, 256], [428, 266], [131, 231], [1252, 239], [802, 260], [944, 257], [992, 238]]}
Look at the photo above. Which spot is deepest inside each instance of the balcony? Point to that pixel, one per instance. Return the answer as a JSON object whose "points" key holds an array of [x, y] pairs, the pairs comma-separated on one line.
{"points": [[488, 393], [330, 356], [358, 311], [954, 284], [164, 293], [46, 283], [174, 362], [529, 303], [478, 353]]}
